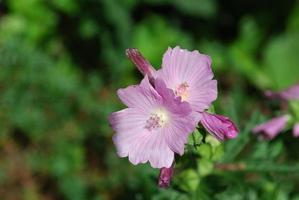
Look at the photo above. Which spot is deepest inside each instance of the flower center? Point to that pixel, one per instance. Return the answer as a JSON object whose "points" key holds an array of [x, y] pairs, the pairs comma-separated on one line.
{"points": [[157, 119], [182, 91]]}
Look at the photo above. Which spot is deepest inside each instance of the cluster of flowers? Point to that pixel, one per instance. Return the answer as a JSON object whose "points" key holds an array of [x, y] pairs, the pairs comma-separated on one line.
{"points": [[165, 108], [270, 129]]}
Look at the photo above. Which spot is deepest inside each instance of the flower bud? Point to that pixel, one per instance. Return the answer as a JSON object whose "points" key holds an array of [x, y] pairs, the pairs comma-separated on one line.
{"points": [[165, 177], [141, 63], [219, 126]]}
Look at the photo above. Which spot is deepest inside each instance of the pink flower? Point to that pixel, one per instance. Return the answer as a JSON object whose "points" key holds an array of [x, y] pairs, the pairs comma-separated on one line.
{"points": [[291, 93], [154, 126], [219, 126], [190, 76], [296, 130], [272, 128], [165, 177]]}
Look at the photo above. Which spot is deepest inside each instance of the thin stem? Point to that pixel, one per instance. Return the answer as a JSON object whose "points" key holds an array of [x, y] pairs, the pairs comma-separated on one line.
{"points": [[257, 167], [194, 142]]}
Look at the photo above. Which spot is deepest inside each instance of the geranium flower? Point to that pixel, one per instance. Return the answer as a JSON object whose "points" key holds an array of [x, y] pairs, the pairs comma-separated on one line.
{"points": [[155, 125]]}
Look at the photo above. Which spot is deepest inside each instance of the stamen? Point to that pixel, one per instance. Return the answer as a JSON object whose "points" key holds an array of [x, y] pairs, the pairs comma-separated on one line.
{"points": [[156, 120], [182, 91]]}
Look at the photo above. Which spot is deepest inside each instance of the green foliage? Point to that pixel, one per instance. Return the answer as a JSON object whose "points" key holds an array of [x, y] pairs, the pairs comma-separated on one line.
{"points": [[61, 62], [156, 31], [282, 61]]}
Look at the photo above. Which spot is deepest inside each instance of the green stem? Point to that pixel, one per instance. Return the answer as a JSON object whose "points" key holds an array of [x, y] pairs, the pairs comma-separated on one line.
{"points": [[258, 167]]}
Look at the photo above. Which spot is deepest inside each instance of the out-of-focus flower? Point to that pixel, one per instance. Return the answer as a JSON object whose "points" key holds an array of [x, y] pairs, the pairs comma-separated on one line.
{"points": [[272, 95], [165, 177], [287, 97], [190, 76], [291, 93], [141, 63], [296, 130], [219, 126], [154, 126], [272, 128]]}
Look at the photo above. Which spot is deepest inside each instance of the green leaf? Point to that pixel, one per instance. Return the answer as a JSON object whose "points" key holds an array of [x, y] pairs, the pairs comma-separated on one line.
{"points": [[205, 151], [205, 166], [189, 180], [235, 146], [281, 60], [203, 8], [155, 30], [294, 107]]}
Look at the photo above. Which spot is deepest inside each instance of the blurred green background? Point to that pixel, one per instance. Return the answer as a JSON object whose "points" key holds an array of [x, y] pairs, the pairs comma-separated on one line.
{"points": [[61, 62]]}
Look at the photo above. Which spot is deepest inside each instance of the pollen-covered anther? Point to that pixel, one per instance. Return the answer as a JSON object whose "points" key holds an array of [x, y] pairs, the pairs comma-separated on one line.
{"points": [[182, 91], [156, 120]]}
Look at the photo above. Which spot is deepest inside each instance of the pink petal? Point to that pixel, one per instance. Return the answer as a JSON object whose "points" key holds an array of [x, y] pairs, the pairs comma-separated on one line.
{"points": [[272, 128], [139, 144], [129, 125], [142, 96], [171, 102], [296, 130], [153, 148], [176, 134], [202, 96], [292, 93], [182, 66]]}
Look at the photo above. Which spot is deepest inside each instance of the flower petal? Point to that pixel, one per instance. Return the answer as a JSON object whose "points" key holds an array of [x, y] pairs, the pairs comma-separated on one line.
{"points": [[129, 125], [133, 140], [171, 102], [142, 96], [201, 96], [153, 148], [181, 66], [177, 133], [292, 93], [270, 129], [296, 130]]}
